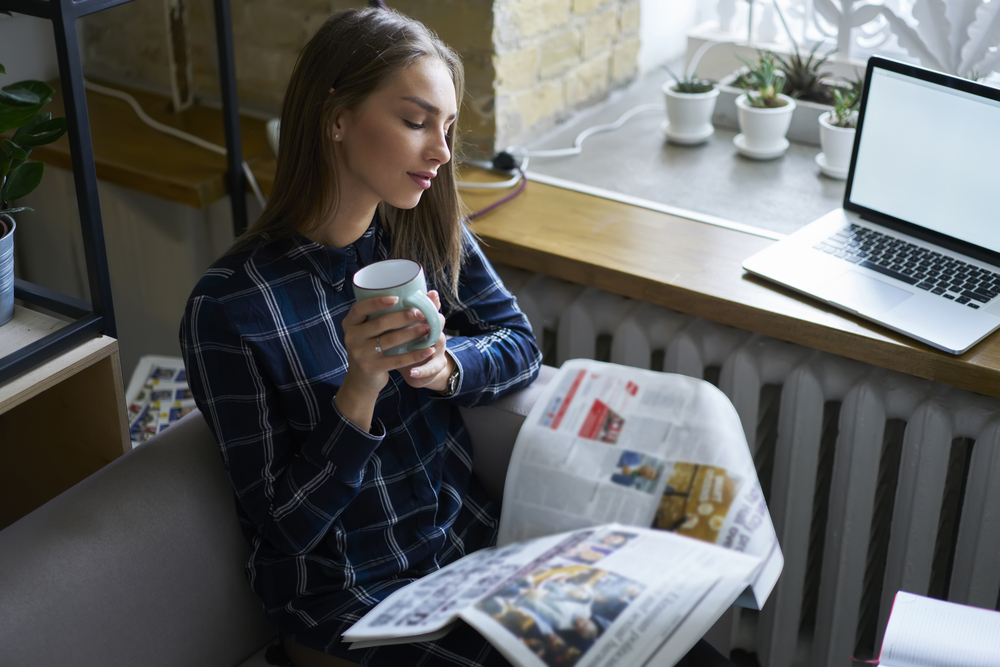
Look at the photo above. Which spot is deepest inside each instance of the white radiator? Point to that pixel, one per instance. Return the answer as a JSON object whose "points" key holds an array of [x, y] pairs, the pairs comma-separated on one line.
{"points": [[876, 481]]}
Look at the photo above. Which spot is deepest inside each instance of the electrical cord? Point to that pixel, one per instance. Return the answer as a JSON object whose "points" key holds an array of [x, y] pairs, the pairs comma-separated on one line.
{"points": [[173, 131], [583, 136], [503, 200]]}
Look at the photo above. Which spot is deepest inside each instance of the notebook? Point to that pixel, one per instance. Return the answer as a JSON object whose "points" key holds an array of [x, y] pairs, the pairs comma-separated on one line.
{"points": [[916, 244]]}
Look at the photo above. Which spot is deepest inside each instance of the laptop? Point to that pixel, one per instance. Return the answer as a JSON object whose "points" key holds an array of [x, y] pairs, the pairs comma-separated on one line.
{"points": [[916, 245]]}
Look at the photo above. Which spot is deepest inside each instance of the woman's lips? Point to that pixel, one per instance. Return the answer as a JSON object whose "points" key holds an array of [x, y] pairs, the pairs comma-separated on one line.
{"points": [[421, 178]]}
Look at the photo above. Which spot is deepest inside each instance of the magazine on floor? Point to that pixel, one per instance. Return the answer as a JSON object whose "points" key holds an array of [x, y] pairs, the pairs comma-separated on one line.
{"points": [[632, 519]]}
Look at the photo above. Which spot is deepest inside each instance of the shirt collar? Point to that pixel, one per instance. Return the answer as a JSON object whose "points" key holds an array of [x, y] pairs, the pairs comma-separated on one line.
{"points": [[332, 265]]}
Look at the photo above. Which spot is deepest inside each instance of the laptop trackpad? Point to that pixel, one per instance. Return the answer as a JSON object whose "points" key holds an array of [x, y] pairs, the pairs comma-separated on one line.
{"points": [[863, 294]]}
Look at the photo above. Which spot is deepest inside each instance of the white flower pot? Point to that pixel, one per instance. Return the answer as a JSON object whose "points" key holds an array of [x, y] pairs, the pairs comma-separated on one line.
{"points": [[689, 115], [762, 130], [837, 144]]}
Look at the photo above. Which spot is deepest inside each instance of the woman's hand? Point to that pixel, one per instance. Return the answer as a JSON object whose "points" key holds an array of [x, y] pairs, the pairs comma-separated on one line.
{"points": [[367, 368], [432, 373]]}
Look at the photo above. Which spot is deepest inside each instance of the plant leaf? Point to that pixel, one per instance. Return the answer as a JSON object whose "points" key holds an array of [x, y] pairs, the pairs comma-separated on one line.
{"points": [[14, 117], [984, 32], [39, 88], [934, 29], [39, 118], [961, 14], [22, 181], [19, 97], [13, 151], [42, 133], [910, 40]]}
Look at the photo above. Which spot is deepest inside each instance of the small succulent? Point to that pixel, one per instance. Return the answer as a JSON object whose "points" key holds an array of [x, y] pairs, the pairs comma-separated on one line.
{"points": [[803, 78], [763, 81], [845, 103], [689, 83]]}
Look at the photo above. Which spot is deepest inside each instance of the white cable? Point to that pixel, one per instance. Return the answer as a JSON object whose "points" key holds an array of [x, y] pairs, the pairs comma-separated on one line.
{"points": [[173, 131], [498, 185], [578, 143]]}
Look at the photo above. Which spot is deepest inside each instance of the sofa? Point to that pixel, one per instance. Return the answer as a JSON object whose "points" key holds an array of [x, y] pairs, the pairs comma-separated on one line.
{"points": [[141, 564]]}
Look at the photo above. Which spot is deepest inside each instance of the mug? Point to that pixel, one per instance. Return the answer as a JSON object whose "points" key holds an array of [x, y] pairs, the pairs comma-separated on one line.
{"points": [[403, 278]]}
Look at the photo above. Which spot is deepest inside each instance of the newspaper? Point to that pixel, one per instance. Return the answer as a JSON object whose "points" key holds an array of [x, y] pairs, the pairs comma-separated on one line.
{"points": [[158, 395], [579, 577]]}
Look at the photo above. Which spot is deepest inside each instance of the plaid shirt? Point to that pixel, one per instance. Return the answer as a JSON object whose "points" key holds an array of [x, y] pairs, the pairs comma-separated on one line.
{"points": [[337, 517]]}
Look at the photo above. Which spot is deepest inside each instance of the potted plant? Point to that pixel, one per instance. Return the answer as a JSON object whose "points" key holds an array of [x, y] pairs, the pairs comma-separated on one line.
{"points": [[763, 111], [690, 102], [836, 134], [20, 112]]}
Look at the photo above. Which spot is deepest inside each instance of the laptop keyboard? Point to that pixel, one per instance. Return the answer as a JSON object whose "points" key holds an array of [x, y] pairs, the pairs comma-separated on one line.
{"points": [[915, 265]]}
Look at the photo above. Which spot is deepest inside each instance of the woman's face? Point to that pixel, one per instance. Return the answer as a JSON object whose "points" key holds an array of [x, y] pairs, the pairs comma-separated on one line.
{"points": [[392, 146]]}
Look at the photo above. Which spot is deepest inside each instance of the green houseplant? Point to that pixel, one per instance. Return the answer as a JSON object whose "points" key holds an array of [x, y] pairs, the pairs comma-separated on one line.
{"points": [[24, 127], [763, 111], [690, 102], [804, 76], [836, 133]]}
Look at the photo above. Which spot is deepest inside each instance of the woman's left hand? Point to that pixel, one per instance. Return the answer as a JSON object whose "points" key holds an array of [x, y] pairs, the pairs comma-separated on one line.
{"points": [[433, 373]]}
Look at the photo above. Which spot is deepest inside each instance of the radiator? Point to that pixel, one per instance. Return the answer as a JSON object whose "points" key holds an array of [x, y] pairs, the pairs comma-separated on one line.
{"points": [[876, 481]]}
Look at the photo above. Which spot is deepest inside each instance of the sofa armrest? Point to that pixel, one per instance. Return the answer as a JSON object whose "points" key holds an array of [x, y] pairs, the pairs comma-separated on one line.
{"points": [[493, 429], [141, 563]]}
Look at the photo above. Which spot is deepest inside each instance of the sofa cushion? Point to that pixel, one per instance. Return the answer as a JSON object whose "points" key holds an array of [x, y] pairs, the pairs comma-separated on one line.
{"points": [[139, 564]]}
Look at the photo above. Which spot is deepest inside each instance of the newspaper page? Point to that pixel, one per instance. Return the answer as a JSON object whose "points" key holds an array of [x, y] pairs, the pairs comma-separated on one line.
{"points": [[604, 596], [610, 443]]}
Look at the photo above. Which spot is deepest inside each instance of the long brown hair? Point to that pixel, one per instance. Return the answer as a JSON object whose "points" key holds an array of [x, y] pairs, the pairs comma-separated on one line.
{"points": [[354, 52]]}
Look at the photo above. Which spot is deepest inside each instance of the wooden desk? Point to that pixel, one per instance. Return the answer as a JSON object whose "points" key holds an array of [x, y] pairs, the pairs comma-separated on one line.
{"points": [[60, 421], [696, 268]]}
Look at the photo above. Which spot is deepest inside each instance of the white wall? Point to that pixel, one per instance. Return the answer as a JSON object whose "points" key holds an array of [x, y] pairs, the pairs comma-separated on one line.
{"points": [[663, 31], [27, 49]]}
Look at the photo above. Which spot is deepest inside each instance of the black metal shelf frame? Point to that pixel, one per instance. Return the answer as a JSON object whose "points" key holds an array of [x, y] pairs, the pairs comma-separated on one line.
{"points": [[98, 317]]}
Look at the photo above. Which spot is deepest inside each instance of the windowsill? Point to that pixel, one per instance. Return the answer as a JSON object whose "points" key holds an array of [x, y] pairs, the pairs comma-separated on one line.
{"points": [[711, 179]]}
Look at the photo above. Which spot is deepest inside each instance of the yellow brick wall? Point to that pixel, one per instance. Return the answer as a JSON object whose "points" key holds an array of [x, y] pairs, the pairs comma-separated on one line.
{"points": [[528, 63], [553, 57]]}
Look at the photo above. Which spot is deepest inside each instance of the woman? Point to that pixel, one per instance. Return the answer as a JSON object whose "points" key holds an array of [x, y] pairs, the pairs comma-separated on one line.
{"points": [[351, 468]]}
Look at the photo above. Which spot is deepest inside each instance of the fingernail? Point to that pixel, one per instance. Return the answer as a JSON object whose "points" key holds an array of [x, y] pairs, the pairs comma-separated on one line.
{"points": [[390, 300], [414, 373], [429, 352], [427, 329], [417, 314]]}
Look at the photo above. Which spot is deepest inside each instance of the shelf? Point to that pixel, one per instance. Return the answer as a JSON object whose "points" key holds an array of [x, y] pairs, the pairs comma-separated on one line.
{"points": [[129, 153]]}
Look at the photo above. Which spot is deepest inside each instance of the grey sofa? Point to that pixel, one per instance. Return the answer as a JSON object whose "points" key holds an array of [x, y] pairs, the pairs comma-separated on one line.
{"points": [[141, 564]]}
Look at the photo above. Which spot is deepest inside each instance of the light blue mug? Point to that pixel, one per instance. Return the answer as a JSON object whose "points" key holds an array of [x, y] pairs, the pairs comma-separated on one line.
{"points": [[403, 278]]}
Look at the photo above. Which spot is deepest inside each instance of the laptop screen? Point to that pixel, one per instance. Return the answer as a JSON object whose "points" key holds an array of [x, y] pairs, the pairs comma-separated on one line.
{"points": [[928, 155]]}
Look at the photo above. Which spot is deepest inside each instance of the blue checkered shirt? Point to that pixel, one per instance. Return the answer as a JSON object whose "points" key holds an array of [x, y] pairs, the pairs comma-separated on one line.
{"points": [[337, 517]]}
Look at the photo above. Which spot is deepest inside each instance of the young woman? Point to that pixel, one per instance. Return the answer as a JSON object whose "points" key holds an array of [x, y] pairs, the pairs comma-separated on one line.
{"points": [[352, 468]]}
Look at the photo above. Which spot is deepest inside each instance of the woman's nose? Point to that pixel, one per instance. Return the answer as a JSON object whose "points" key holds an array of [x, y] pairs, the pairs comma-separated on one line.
{"points": [[438, 151]]}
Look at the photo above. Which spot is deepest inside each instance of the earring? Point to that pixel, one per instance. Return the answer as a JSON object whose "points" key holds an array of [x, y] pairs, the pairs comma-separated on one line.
{"points": [[336, 136]]}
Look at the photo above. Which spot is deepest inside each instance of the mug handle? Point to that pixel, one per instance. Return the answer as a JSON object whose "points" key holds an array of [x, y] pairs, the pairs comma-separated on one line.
{"points": [[423, 303]]}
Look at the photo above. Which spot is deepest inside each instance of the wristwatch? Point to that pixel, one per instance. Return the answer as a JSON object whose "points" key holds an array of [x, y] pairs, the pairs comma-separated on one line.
{"points": [[452, 385]]}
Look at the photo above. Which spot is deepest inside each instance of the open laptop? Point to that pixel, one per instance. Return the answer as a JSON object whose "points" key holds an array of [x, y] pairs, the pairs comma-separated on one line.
{"points": [[916, 246]]}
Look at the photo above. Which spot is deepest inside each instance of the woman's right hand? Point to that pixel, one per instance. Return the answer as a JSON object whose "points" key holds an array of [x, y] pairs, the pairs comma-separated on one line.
{"points": [[368, 369]]}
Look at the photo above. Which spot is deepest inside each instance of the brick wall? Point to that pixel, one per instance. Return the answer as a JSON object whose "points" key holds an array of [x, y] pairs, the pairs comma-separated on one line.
{"points": [[529, 63], [556, 56]]}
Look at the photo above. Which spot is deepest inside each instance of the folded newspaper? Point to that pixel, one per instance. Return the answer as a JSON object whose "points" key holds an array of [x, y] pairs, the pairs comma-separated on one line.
{"points": [[632, 519]]}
